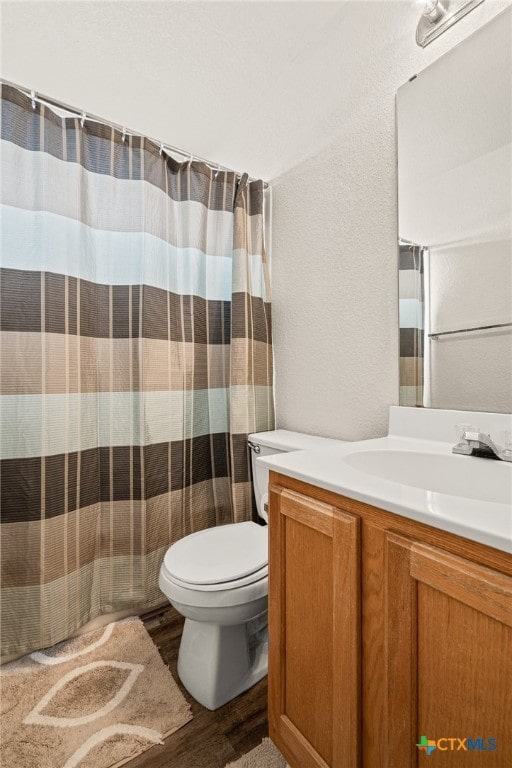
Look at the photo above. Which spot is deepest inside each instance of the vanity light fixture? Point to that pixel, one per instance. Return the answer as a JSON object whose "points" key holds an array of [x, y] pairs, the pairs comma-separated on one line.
{"points": [[439, 15]]}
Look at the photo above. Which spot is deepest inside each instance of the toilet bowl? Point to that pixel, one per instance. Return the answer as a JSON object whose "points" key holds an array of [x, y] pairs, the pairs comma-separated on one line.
{"points": [[223, 649], [218, 580]]}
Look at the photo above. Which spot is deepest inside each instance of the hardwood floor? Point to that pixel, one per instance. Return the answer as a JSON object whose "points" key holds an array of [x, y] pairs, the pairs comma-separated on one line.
{"points": [[211, 739]]}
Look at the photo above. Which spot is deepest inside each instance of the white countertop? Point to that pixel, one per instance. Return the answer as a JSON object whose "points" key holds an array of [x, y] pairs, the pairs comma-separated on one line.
{"points": [[487, 522]]}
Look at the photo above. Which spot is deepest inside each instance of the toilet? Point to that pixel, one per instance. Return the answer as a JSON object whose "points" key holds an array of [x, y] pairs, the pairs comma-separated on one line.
{"points": [[218, 580]]}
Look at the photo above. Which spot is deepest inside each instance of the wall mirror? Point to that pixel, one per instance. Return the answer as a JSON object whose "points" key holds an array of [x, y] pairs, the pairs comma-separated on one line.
{"points": [[454, 127]]}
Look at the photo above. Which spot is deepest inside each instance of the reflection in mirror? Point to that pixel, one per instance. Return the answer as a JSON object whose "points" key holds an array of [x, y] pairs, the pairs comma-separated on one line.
{"points": [[454, 124]]}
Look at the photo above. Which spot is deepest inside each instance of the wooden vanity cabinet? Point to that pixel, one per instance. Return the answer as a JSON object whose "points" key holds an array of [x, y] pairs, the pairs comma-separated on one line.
{"points": [[383, 630], [448, 640], [314, 610]]}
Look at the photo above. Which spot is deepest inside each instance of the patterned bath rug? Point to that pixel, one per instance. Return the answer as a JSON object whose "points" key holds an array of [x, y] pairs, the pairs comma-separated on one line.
{"points": [[95, 701], [265, 755]]}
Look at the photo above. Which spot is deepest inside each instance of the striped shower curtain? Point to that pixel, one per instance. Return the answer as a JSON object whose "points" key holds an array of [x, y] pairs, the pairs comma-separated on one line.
{"points": [[411, 322], [135, 359]]}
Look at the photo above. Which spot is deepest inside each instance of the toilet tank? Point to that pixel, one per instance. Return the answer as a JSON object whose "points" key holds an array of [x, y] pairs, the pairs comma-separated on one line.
{"points": [[277, 441]]}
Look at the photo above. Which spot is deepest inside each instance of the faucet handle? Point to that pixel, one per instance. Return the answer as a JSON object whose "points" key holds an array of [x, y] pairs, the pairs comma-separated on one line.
{"points": [[461, 429]]}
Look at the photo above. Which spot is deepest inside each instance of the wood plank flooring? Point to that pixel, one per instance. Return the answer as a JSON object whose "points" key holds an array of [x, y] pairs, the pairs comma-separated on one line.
{"points": [[211, 739]]}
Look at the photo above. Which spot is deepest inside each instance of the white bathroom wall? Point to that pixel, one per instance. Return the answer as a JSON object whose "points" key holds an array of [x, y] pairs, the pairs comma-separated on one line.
{"points": [[335, 253]]}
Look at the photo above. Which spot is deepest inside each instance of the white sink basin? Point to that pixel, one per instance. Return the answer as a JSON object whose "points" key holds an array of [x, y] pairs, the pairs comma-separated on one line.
{"points": [[413, 473], [464, 476]]}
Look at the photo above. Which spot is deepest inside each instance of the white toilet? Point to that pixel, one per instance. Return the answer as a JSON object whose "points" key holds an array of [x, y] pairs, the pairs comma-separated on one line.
{"points": [[217, 579]]}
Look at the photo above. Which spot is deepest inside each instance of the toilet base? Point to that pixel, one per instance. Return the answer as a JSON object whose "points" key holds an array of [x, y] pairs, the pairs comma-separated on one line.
{"points": [[217, 663]]}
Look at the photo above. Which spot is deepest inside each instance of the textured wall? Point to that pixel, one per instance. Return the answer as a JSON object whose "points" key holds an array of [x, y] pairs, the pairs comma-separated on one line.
{"points": [[335, 256], [335, 288]]}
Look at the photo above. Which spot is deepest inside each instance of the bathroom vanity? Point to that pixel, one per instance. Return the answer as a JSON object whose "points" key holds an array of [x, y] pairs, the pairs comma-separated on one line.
{"points": [[385, 627], [390, 564]]}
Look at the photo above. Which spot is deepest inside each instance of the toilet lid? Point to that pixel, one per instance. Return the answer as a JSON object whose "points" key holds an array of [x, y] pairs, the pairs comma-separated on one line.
{"points": [[219, 555]]}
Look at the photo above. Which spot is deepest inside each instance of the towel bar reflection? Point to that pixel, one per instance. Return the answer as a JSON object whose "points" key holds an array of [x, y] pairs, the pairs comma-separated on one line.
{"points": [[469, 330]]}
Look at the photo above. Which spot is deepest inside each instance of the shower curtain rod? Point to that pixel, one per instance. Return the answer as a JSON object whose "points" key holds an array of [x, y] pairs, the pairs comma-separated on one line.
{"points": [[164, 146]]}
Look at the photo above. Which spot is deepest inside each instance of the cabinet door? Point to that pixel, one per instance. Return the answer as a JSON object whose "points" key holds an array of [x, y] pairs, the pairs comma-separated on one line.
{"points": [[314, 624], [449, 659]]}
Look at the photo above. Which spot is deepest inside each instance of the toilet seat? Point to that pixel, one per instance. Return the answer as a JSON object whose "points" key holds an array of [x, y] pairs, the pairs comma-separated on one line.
{"points": [[234, 584], [222, 558], [220, 596]]}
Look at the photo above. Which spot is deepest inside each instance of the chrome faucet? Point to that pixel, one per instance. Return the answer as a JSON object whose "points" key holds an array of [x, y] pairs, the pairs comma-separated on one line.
{"points": [[475, 443]]}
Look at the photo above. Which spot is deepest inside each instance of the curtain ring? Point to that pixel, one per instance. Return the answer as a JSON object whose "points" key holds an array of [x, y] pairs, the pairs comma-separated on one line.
{"points": [[190, 161], [161, 147], [217, 171], [33, 99], [82, 119], [123, 137]]}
